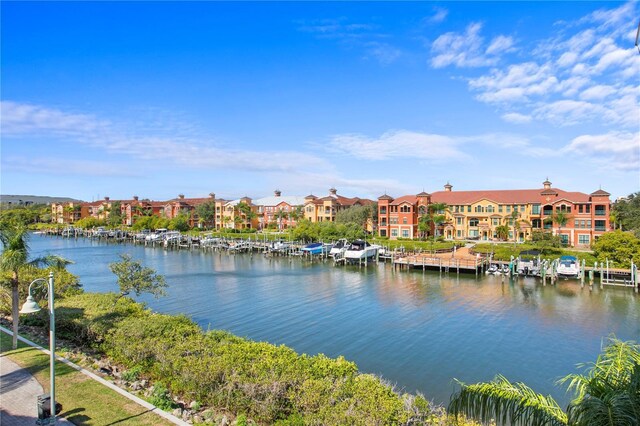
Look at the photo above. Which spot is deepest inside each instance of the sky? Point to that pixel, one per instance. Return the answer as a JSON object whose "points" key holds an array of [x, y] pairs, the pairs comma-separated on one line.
{"points": [[157, 99]]}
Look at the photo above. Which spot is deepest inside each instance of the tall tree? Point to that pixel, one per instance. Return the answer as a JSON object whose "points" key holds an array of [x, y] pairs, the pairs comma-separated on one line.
{"points": [[280, 215], [561, 218], [625, 213], [607, 394], [206, 212], [14, 258]]}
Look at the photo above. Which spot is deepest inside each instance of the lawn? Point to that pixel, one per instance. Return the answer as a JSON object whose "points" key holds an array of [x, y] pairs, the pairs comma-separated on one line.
{"points": [[84, 401]]}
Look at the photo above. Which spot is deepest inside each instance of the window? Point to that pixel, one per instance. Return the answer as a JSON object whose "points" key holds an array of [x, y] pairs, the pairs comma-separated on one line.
{"points": [[383, 210], [522, 208], [564, 239], [536, 223], [535, 209], [479, 209], [459, 233], [383, 232], [600, 225], [547, 210], [601, 210], [394, 232], [393, 220], [468, 209], [405, 233], [508, 209], [589, 223], [405, 209], [404, 220], [500, 208], [580, 208], [495, 221], [383, 222], [457, 209], [582, 224], [490, 209], [473, 221], [587, 208], [576, 224], [459, 221], [563, 208], [583, 239]]}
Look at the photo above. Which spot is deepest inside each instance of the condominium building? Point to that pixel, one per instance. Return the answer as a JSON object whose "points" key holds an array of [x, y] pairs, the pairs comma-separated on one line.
{"points": [[282, 210], [325, 209], [480, 215]]}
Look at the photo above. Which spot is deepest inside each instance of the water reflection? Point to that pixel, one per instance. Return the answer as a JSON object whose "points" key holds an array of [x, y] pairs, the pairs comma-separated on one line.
{"points": [[418, 329]]}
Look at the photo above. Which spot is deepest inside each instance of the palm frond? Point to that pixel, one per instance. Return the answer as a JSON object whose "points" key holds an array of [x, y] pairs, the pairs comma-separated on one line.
{"points": [[506, 403]]}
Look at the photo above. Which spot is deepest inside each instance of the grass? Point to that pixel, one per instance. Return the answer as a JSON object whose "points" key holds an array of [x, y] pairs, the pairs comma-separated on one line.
{"points": [[504, 251], [84, 401]]}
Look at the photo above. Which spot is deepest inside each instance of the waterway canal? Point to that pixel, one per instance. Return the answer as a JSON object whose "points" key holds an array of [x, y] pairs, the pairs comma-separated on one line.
{"points": [[418, 330]]}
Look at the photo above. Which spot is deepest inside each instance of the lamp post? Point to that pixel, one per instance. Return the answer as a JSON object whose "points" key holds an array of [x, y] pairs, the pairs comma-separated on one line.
{"points": [[31, 306]]}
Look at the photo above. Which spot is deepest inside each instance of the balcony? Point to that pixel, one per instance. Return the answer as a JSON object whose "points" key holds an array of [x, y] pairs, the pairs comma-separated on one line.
{"points": [[599, 228]]}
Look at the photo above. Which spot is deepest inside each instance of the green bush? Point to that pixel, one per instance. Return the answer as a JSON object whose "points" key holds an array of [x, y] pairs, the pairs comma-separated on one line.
{"points": [[266, 382]]}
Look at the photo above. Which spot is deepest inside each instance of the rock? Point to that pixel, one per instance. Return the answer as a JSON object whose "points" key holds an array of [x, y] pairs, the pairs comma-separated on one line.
{"points": [[177, 412], [224, 421], [208, 414], [136, 385], [198, 419], [194, 404], [186, 415]]}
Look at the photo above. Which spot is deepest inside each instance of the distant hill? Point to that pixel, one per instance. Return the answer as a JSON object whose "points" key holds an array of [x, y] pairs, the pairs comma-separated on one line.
{"points": [[26, 200]]}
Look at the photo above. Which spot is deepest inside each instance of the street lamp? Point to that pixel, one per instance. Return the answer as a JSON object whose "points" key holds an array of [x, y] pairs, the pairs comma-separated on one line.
{"points": [[29, 307]]}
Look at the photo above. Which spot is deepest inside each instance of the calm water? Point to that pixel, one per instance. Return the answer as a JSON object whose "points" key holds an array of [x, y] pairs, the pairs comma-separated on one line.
{"points": [[418, 330]]}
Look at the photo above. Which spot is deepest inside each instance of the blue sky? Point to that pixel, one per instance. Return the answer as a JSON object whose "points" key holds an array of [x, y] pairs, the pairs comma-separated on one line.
{"points": [[157, 99]]}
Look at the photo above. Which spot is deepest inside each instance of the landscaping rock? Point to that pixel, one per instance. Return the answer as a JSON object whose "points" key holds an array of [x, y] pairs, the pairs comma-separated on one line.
{"points": [[198, 419], [177, 412]]}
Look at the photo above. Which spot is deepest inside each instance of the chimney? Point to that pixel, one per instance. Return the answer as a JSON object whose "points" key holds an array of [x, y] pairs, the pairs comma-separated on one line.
{"points": [[333, 191], [212, 195], [547, 184], [181, 196], [135, 198], [277, 192], [448, 187]]}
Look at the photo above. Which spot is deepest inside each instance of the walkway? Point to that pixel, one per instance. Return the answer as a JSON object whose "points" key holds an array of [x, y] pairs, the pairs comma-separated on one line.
{"points": [[18, 393]]}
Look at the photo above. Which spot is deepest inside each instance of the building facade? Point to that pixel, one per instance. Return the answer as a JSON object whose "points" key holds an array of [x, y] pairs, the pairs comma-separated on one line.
{"points": [[325, 209], [576, 217]]}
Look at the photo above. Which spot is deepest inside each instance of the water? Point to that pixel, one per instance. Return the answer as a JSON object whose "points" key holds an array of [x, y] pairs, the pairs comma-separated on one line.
{"points": [[417, 330]]}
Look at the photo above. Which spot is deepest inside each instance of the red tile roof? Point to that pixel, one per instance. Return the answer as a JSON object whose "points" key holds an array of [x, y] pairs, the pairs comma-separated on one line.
{"points": [[411, 199], [505, 196]]}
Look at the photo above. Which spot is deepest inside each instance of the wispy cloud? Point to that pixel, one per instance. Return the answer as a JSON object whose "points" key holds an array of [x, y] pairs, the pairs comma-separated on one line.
{"points": [[65, 167], [585, 74], [365, 37], [620, 150], [439, 15], [468, 49], [25, 120]]}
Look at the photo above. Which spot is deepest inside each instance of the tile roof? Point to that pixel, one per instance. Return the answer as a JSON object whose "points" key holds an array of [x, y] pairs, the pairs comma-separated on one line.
{"points": [[411, 199], [600, 193], [385, 197], [505, 196]]}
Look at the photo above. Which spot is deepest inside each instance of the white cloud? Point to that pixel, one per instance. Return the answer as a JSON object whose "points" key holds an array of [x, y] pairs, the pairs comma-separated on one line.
{"points": [[500, 44], [467, 49], [25, 120], [581, 75], [598, 92], [515, 117], [395, 144], [439, 15], [620, 150]]}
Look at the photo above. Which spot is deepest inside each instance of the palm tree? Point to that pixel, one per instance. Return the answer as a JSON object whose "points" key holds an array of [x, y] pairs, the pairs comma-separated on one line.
{"points": [[607, 394], [436, 216], [14, 258], [560, 217], [280, 215]]}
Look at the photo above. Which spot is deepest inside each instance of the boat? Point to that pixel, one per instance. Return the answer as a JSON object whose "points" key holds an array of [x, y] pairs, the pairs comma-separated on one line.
{"points": [[158, 235], [339, 247], [493, 269], [360, 250], [171, 237], [568, 267], [316, 248]]}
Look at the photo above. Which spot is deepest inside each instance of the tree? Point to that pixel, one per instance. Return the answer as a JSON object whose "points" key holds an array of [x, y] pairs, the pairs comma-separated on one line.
{"points": [[618, 247], [135, 278], [206, 212], [502, 232], [179, 223], [280, 215], [607, 394], [360, 215], [115, 214], [625, 213], [560, 217], [14, 258], [514, 221], [434, 218]]}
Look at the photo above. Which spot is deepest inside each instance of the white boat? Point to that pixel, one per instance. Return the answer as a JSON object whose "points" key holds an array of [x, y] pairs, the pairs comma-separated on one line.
{"points": [[339, 247], [171, 237], [157, 235], [568, 267], [360, 250], [493, 269]]}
